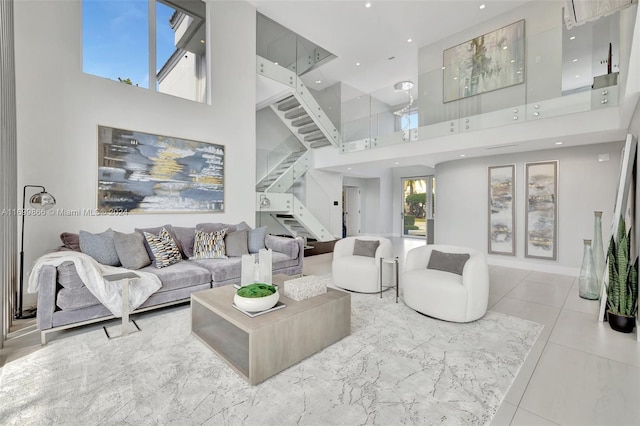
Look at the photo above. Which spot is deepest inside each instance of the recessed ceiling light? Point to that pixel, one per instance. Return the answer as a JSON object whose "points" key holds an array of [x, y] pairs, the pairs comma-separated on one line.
{"points": [[444, 68], [396, 163], [276, 63], [482, 6], [559, 143], [513, 61], [367, 4], [504, 47], [463, 155], [202, 41], [348, 168], [578, 76], [318, 81], [455, 78], [409, 40], [357, 64], [574, 60], [572, 38], [519, 72]]}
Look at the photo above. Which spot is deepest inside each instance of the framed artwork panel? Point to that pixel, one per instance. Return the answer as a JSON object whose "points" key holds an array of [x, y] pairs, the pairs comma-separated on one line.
{"points": [[145, 173], [488, 62], [502, 210], [541, 218]]}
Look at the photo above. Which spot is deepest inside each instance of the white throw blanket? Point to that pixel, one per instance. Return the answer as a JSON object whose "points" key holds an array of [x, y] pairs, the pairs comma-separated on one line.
{"points": [[91, 273]]}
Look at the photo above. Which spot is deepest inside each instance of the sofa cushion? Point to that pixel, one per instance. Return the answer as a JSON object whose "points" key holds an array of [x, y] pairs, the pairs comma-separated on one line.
{"points": [[221, 269], [209, 245], [100, 246], [365, 248], [165, 250], [255, 239], [235, 243], [70, 241], [184, 238], [180, 275], [67, 275], [284, 245], [281, 261], [131, 250], [75, 298], [447, 262]]}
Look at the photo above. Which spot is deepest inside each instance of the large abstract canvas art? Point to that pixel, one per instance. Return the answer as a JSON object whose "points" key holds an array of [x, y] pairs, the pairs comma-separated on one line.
{"points": [[501, 210], [488, 62], [144, 173], [542, 210]]}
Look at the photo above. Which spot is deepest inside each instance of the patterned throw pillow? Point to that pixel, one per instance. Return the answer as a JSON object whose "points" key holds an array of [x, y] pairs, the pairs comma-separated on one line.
{"points": [[209, 245], [165, 250]]}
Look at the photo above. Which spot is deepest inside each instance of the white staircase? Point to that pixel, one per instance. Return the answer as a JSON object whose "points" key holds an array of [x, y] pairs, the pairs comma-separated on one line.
{"points": [[289, 211], [305, 119]]}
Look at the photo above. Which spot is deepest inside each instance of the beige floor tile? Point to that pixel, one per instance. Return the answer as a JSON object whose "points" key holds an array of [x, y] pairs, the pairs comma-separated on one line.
{"points": [[546, 277], [575, 303], [317, 265], [545, 293], [585, 333], [521, 381], [536, 312], [525, 418], [577, 388], [511, 273], [504, 414]]}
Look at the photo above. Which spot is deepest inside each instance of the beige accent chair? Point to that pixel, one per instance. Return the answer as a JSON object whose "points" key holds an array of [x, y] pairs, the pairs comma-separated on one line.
{"points": [[446, 295], [358, 273]]}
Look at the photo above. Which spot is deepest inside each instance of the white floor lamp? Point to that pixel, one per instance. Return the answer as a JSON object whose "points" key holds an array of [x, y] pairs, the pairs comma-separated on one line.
{"points": [[40, 200]]}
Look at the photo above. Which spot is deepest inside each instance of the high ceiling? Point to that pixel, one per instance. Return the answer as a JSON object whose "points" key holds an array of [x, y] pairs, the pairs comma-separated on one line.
{"points": [[370, 36]]}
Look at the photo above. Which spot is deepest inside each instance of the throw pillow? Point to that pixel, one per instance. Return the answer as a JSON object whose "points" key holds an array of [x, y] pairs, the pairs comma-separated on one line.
{"points": [[209, 245], [155, 231], [184, 236], [165, 251], [448, 262], [255, 239], [365, 247], [235, 244], [70, 241], [131, 250], [100, 246]]}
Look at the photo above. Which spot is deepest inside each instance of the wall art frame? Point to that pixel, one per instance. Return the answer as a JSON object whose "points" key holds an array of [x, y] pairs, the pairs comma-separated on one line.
{"points": [[541, 210], [146, 173], [501, 210], [489, 62]]}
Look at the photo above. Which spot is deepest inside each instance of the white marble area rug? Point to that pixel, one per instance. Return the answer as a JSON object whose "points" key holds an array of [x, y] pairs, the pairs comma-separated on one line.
{"points": [[397, 367]]}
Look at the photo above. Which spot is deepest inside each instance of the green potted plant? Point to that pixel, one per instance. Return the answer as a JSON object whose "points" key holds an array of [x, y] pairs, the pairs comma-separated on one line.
{"points": [[622, 289], [256, 297]]}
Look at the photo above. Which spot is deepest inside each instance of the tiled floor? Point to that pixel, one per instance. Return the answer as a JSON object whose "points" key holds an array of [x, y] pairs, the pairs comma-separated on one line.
{"points": [[580, 372]]}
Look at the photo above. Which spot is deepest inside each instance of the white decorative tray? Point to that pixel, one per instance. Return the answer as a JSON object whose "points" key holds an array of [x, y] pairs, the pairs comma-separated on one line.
{"points": [[278, 305]]}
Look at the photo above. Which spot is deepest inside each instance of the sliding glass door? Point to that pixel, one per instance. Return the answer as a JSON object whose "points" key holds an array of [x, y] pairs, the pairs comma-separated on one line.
{"points": [[418, 195]]}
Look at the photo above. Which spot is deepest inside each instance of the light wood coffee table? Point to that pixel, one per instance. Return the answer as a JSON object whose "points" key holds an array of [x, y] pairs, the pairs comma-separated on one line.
{"points": [[257, 348]]}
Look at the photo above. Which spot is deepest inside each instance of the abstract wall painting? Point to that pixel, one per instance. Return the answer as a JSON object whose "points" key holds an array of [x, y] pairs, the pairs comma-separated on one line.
{"points": [[501, 210], [145, 173], [488, 62], [541, 227]]}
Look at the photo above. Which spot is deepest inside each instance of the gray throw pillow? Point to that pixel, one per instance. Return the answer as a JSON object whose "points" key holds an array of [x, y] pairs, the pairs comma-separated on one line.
{"points": [[70, 241], [235, 244], [184, 238], [131, 250], [100, 246], [255, 239], [448, 262], [365, 247]]}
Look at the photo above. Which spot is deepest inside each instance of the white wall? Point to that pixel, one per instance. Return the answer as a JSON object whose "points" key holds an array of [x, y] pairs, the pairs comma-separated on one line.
{"points": [[321, 190], [59, 109], [375, 202], [584, 186]]}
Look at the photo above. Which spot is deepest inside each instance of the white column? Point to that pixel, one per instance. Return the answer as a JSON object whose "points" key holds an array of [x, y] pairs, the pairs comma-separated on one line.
{"points": [[8, 169]]}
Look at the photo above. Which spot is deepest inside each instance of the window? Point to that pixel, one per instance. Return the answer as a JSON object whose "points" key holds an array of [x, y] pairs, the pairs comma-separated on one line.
{"points": [[116, 44], [408, 120]]}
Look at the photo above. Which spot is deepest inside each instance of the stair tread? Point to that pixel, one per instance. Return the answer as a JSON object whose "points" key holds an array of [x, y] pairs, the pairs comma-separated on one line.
{"points": [[320, 143], [316, 136], [286, 105], [308, 129], [302, 121], [295, 113]]}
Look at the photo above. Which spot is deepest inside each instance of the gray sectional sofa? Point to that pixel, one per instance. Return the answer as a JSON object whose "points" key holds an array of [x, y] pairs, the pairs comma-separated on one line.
{"points": [[64, 301]]}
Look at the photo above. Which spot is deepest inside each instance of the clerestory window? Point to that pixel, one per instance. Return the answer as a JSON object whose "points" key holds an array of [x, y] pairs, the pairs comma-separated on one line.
{"points": [[156, 45]]}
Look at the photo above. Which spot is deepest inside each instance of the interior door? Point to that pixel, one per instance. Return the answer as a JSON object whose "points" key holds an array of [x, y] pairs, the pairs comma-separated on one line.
{"points": [[351, 211]]}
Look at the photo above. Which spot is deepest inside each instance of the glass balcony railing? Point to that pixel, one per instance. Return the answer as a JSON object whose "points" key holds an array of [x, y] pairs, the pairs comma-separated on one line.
{"points": [[564, 71]]}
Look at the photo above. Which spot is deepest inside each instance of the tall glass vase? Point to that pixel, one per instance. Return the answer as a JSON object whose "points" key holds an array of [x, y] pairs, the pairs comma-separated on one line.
{"points": [[598, 249], [588, 285]]}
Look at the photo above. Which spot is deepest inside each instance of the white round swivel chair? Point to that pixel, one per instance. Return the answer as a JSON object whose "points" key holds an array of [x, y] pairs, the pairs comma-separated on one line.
{"points": [[446, 295], [356, 272]]}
